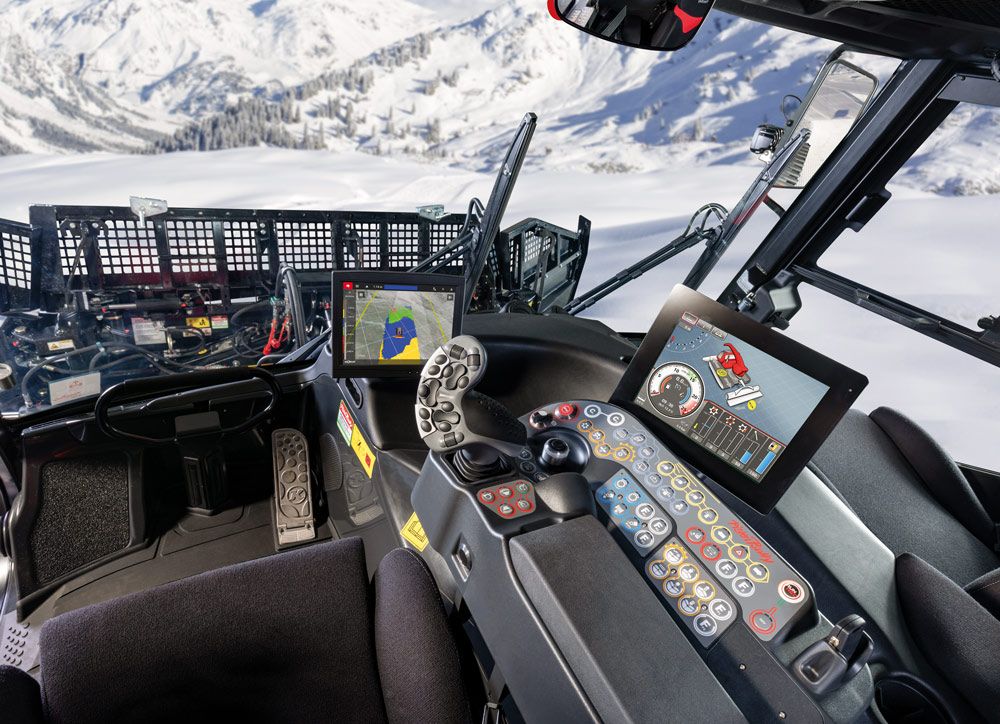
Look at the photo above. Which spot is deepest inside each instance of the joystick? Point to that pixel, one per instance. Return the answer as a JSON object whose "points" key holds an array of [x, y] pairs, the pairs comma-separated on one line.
{"points": [[453, 417]]}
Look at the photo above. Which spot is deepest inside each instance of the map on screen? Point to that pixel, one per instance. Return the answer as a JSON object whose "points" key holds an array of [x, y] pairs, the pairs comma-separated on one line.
{"points": [[395, 324]]}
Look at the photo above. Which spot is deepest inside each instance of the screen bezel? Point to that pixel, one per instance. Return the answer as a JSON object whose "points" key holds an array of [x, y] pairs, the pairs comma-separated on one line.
{"points": [[340, 370], [844, 387]]}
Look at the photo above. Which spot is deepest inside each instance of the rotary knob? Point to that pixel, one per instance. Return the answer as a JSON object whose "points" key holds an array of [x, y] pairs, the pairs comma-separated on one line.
{"points": [[554, 452]]}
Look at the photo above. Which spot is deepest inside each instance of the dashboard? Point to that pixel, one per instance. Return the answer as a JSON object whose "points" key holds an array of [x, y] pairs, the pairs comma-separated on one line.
{"points": [[712, 407]]}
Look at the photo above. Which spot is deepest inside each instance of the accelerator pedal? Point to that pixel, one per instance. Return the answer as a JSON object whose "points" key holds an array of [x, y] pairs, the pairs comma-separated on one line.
{"points": [[293, 500]]}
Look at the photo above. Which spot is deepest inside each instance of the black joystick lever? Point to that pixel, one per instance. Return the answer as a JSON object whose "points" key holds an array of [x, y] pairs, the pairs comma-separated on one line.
{"points": [[836, 658], [453, 417]]}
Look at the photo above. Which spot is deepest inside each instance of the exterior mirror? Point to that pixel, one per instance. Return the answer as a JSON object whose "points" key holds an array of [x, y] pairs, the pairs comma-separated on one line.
{"points": [[648, 24], [835, 101]]}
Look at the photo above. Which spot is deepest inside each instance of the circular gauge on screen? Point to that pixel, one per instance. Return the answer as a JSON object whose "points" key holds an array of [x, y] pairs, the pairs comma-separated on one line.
{"points": [[683, 340], [676, 390]]}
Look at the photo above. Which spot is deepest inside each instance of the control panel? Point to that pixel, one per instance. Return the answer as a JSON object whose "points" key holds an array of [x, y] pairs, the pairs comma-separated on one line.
{"points": [[706, 563], [508, 500]]}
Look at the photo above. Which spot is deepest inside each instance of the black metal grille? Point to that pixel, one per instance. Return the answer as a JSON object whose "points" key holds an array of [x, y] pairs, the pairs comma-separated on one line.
{"points": [[306, 245], [15, 264], [192, 249], [243, 248], [237, 251]]}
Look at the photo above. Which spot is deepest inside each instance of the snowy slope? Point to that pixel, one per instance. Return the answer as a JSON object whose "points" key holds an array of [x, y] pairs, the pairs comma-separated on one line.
{"points": [[188, 56], [45, 107], [632, 214]]}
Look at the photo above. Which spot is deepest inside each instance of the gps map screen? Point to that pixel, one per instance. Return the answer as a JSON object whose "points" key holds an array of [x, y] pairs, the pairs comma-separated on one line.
{"points": [[395, 324], [739, 403]]}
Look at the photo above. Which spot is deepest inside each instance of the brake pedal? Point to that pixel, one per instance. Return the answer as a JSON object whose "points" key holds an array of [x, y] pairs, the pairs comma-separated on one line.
{"points": [[293, 503]]}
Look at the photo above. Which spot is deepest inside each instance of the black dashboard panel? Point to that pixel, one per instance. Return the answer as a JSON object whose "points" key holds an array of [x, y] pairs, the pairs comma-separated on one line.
{"points": [[753, 425]]}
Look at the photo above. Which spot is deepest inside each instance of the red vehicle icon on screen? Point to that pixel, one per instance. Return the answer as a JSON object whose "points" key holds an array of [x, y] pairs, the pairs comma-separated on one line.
{"points": [[732, 360]]}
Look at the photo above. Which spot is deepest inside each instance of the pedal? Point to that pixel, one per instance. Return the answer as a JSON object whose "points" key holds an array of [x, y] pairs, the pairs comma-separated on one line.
{"points": [[293, 503]]}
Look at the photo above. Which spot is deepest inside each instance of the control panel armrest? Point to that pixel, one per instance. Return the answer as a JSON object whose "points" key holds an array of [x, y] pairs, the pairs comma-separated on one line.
{"points": [[633, 662]]}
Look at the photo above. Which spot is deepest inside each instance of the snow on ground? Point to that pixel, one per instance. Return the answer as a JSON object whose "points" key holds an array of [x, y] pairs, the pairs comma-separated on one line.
{"points": [[907, 250]]}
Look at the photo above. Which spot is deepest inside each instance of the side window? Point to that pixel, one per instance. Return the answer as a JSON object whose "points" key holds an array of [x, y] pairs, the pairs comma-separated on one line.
{"points": [[934, 245]]}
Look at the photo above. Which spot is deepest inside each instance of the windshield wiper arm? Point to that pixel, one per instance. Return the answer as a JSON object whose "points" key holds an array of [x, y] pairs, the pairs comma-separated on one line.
{"points": [[697, 231]]}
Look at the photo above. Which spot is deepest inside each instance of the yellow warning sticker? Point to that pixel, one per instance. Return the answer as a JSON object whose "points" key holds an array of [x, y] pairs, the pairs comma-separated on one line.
{"points": [[361, 449], [413, 533], [199, 322]]}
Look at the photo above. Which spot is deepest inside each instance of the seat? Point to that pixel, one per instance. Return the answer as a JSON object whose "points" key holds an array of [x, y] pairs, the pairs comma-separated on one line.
{"points": [[908, 491], [297, 637]]}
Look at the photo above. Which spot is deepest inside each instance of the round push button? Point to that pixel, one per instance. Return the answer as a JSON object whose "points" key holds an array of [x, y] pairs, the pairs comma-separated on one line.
{"points": [[721, 609], [758, 572], [487, 496], [592, 411], [659, 526], [645, 511], [688, 605], [567, 411], [704, 590], [505, 492], [695, 535], [673, 588], [762, 622], [708, 515], [711, 552], [688, 572], [791, 592], [658, 570], [505, 509], [644, 539], [721, 534], [673, 554], [616, 419], [705, 625], [739, 553], [744, 587], [726, 568], [524, 505]]}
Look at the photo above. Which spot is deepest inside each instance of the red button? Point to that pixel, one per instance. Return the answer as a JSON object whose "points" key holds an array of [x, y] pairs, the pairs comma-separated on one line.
{"points": [[567, 411], [762, 622]]}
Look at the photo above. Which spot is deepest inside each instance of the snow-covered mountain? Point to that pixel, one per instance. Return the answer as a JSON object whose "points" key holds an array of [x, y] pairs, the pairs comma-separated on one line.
{"points": [[189, 56], [456, 93], [438, 80], [45, 106]]}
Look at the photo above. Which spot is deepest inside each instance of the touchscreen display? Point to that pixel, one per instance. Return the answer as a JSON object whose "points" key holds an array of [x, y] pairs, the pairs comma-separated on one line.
{"points": [[395, 324], [727, 396]]}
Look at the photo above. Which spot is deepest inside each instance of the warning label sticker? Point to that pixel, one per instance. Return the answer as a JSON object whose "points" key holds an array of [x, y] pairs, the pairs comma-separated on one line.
{"points": [[345, 423], [201, 323], [74, 388], [413, 533], [147, 332], [220, 322], [361, 449]]}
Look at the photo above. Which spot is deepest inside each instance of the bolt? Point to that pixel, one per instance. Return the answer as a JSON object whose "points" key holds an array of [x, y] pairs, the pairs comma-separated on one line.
{"points": [[781, 715], [743, 667]]}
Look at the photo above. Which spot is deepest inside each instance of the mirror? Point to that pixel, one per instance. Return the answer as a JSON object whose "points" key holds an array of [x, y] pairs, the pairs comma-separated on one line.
{"points": [[648, 24], [835, 101]]}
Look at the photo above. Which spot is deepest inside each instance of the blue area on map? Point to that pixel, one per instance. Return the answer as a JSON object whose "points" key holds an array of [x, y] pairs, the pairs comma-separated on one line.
{"points": [[397, 336]]}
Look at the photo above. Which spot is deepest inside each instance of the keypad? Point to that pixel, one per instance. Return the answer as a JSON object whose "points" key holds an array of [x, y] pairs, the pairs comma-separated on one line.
{"points": [[751, 582]]}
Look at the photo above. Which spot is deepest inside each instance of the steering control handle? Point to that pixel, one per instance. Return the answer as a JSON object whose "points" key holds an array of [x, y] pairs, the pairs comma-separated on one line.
{"points": [[451, 415]]}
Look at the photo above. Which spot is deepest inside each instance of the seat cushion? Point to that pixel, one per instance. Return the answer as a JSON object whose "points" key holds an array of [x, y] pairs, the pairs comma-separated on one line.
{"points": [[20, 697], [955, 633], [287, 638], [866, 468], [417, 658]]}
